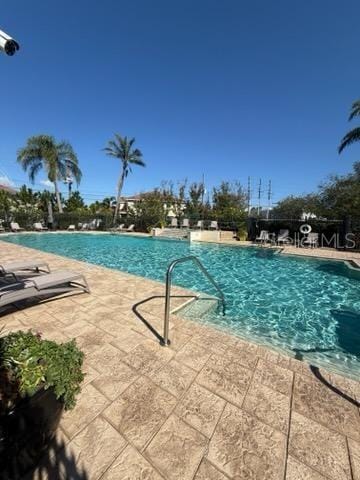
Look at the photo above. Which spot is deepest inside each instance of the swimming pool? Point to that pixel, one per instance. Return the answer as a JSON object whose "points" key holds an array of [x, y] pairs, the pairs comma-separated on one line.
{"points": [[305, 306]]}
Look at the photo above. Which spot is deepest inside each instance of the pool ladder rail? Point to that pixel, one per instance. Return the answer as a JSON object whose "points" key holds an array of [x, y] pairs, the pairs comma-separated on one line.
{"points": [[169, 272]]}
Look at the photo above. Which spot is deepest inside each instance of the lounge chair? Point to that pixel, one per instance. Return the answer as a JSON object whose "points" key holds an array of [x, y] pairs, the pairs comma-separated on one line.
{"points": [[213, 225], [130, 228], [283, 237], [39, 228], [55, 283], [119, 228], [311, 240], [200, 224], [174, 223], [185, 223], [84, 226], [11, 268], [71, 228], [14, 227], [263, 237]]}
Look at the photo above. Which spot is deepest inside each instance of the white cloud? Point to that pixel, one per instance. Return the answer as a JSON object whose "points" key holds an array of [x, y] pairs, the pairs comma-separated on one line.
{"points": [[47, 183], [5, 180]]}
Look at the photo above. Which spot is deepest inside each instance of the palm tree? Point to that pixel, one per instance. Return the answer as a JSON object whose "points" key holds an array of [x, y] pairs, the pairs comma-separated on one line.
{"points": [[57, 159], [122, 148], [354, 134]]}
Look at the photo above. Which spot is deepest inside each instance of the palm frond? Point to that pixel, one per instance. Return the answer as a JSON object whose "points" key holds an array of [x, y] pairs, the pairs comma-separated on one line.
{"points": [[350, 138], [355, 110]]}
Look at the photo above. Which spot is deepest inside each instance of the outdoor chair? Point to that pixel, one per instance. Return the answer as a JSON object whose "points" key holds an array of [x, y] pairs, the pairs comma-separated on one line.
{"points": [[185, 223], [213, 225], [283, 237], [174, 223], [14, 227], [263, 237], [56, 283], [11, 268], [119, 228], [71, 228], [199, 225], [311, 240], [130, 228], [39, 228]]}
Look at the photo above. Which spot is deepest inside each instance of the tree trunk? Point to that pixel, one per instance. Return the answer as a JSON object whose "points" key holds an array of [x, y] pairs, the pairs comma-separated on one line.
{"points": [[120, 186], [57, 195]]}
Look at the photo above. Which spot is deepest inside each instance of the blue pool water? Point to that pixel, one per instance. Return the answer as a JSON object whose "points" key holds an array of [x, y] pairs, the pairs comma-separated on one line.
{"points": [[308, 307]]}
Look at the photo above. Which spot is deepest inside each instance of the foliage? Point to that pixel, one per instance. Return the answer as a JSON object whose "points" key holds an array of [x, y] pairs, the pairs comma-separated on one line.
{"points": [[75, 203], [122, 149], [151, 211], [30, 363], [336, 198], [58, 159], [229, 202]]}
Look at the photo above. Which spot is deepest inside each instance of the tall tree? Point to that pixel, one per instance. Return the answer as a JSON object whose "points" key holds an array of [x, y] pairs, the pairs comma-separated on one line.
{"points": [[354, 134], [122, 149], [57, 159]]}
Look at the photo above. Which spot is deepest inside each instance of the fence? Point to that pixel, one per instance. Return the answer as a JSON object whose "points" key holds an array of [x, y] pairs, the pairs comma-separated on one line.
{"points": [[340, 234]]}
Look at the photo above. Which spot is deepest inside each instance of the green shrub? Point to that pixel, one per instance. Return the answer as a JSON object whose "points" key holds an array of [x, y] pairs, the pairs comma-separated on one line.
{"points": [[28, 363]]}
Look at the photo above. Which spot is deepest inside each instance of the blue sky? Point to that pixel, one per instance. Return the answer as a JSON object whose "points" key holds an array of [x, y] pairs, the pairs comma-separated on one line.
{"points": [[230, 89]]}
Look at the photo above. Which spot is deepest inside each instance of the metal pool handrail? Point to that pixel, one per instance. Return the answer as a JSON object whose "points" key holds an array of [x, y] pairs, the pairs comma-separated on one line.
{"points": [[169, 271]]}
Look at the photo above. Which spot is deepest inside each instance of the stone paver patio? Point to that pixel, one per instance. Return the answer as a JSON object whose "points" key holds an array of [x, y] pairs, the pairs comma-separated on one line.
{"points": [[209, 407]]}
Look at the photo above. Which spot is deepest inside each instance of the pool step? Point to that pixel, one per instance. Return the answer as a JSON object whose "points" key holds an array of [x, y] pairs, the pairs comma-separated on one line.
{"points": [[175, 233], [199, 307]]}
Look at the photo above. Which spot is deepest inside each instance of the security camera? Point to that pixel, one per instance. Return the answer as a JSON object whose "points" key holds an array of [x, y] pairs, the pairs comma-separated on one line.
{"points": [[8, 44]]}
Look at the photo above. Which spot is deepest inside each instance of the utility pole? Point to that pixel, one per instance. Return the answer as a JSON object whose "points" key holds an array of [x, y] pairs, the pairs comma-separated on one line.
{"points": [[249, 196], [259, 198], [269, 201]]}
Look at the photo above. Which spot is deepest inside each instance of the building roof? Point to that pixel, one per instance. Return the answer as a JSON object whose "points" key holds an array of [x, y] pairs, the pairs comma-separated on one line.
{"points": [[8, 189]]}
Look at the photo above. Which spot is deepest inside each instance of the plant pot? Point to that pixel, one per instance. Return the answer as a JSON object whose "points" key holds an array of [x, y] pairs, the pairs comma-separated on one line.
{"points": [[26, 432]]}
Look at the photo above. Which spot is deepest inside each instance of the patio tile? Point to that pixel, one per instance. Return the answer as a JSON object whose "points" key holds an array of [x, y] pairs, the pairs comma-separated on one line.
{"points": [[318, 402], [148, 357], [105, 358], [240, 355], [179, 338], [174, 377], [274, 376], [93, 450], [127, 340], [269, 406], [244, 447], [176, 450], [140, 411], [210, 343], [298, 471], [90, 373], [115, 380], [201, 409], [130, 465], [193, 355], [319, 448], [208, 472], [354, 449], [92, 340], [267, 354], [78, 327], [89, 404], [227, 379]]}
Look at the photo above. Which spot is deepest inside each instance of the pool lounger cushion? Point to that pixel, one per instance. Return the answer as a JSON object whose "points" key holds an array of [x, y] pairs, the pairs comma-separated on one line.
{"points": [[12, 267], [55, 283]]}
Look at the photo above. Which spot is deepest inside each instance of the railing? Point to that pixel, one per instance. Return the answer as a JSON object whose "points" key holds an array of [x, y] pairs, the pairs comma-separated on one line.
{"points": [[169, 271]]}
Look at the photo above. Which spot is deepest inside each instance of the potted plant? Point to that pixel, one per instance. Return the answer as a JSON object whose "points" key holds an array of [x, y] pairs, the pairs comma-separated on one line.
{"points": [[38, 380]]}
